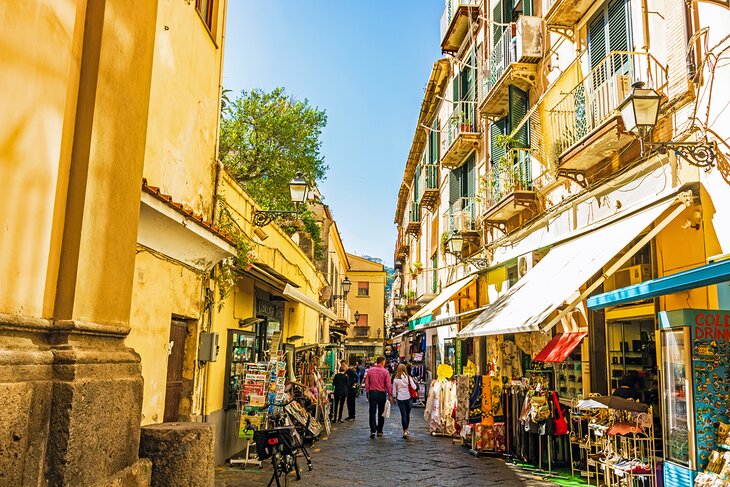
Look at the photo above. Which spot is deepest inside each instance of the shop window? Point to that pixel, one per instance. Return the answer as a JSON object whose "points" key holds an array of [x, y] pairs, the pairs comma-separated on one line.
{"points": [[240, 351], [205, 8], [363, 288]]}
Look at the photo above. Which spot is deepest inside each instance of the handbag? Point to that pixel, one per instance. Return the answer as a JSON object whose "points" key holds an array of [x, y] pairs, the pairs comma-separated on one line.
{"points": [[386, 411], [539, 409], [561, 426], [412, 390]]}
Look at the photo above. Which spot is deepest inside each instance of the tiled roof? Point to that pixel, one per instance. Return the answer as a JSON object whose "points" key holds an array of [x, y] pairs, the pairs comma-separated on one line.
{"points": [[186, 211]]}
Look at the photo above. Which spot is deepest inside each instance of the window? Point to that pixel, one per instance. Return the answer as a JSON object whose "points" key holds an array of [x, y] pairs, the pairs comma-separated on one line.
{"points": [[205, 9], [363, 321], [609, 31], [363, 288], [462, 181]]}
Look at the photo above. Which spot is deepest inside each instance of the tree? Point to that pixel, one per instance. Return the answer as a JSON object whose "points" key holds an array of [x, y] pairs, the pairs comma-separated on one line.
{"points": [[266, 138]]}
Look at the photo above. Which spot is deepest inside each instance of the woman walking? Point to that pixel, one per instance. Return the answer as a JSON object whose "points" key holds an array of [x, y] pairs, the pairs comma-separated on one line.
{"points": [[402, 385]]}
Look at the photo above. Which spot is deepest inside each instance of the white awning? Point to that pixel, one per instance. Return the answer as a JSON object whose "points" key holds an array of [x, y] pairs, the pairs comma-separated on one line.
{"points": [[558, 277], [448, 292], [298, 296]]}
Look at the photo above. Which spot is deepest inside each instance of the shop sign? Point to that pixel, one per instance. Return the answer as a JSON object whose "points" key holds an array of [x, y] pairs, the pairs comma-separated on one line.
{"points": [[269, 309], [711, 324], [457, 356]]}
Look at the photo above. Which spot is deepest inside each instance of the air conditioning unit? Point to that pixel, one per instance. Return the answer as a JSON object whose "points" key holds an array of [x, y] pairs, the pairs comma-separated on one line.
{"points": [[621, 87], [530, 39], [628, 276]]}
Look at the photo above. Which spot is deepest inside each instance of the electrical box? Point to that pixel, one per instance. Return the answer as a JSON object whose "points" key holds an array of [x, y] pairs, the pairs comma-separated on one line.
{"points": [[208, 349], [530, 39]]}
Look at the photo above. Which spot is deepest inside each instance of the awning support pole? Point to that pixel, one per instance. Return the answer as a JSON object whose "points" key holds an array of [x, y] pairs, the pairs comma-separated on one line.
{"points": [[684, 199]]}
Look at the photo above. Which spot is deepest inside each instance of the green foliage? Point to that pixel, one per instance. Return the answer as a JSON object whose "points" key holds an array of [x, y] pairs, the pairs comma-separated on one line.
{"points": [[225, 275], [266, 138]]}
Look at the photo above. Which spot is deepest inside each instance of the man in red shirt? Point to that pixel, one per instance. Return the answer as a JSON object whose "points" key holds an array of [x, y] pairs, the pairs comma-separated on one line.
{"points": [[379, 389]]}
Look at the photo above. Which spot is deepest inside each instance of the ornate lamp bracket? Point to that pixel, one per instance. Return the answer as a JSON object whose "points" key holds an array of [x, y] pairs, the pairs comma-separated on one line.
{"points": [[262, 218], [575, 175], [699, 154]]}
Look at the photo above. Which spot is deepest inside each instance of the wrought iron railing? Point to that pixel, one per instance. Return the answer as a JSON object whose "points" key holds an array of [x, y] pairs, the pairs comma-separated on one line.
{"points": [[342, 310], [597, 96], [462, 215], [429, 178], [511, 173], [504, 53], [450, 12], [463, 119]]}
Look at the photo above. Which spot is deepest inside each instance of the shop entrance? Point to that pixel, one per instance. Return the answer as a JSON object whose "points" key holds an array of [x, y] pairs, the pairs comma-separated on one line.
{"points": [[175, 356]]}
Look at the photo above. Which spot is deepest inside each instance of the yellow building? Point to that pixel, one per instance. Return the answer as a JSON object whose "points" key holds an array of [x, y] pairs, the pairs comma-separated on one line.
{"points": [[277, 299], [98, 97], [367, 302]]}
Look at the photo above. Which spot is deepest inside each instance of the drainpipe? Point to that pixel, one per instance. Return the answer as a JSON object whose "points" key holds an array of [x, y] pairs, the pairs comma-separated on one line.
{"points": [[645, 24]]}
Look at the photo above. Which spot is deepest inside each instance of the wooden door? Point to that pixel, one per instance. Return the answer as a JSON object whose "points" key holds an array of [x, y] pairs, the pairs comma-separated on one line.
{"points": [[173, 393]]}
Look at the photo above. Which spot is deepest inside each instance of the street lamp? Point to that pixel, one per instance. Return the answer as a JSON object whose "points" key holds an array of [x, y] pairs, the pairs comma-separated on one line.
{"points": [[346, 284], [640, 112], [357, 317], [298, 189], [456, 247]]}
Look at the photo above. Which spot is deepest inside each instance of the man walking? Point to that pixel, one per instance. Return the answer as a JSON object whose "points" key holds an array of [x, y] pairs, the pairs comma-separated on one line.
{"points": [[378, 389], [352, 386]]}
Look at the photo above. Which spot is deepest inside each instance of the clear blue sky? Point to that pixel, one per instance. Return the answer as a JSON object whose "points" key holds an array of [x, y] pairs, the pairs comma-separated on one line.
{"points": [[366, 62]]}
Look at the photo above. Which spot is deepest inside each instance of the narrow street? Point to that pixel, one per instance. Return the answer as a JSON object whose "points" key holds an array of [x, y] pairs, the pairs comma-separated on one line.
{"points": [[349, 457]]}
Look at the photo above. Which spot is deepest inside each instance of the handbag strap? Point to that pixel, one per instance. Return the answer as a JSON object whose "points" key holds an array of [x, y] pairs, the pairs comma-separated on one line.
{"points": [[557, 405]]}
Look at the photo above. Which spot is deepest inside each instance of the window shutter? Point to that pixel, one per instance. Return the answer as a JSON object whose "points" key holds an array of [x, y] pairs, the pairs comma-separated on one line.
{"points": [[618, 26], [454, 186], [434, 143], [416, 180], [679, 61], [527, 7], [518, 107], [470, 176], [495, 129], [497, 19], [597, 40]]}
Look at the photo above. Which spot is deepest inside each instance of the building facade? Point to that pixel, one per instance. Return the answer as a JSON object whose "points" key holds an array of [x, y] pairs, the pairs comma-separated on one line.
{"points": [[367, 301], [524, 192]]}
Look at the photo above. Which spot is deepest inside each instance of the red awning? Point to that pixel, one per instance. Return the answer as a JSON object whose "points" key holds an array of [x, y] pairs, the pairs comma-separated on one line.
{"points": [[558, 349]]}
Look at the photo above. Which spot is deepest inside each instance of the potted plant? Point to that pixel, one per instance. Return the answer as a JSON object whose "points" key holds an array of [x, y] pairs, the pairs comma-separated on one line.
{"points": [[417, 267], [462, 121]]}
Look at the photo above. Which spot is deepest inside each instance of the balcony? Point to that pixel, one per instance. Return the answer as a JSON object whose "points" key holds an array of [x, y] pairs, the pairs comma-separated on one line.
{"points": [[564, 13], [458, 17], [585, 126], [462, 135], [362, 331], [343, 311], [462, 217], [509, 188], [429, 185], [414, 219], [513, 62]]}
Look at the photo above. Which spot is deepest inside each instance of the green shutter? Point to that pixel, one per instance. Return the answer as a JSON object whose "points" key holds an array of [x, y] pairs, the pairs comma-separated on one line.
{"points": [[618, 26], [469, 186], [434, 266], [454, 186], [519, 104], [597, 40], [497, 19], [416, 178], [434, 143], [495, 129], [527, 7]]}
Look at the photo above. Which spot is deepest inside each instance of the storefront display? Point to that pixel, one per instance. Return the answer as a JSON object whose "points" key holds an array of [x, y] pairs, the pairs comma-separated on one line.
{"points": [[631, 350], [241, 348], [696, 391]]}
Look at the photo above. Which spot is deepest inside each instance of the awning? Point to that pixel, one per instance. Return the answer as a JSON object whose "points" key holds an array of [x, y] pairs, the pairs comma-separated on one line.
{"points": [[560, 274], [706, 275], [298, 296], [451, 320], [425, 314], [560, 347]]}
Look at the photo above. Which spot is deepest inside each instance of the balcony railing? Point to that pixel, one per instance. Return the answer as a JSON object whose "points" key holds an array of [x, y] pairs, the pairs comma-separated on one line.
{"points": [[342, 310], [362, 331], [596, 97], [511, 173], [462, 216], [463, 120], [504, 53], [428, 184]]}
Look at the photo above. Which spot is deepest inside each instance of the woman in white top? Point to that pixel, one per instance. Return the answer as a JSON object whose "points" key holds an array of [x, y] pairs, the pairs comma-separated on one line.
{"points": [[402, 394]]}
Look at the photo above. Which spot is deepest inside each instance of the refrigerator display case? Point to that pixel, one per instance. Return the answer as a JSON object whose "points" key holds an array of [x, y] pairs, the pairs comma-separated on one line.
{"points": [[695, 390]]}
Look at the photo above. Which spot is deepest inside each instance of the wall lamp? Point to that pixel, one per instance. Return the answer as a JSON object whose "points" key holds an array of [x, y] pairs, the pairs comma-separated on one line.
{"points": [[346, 285], [298, 189], [640, 112], [455, 247]]}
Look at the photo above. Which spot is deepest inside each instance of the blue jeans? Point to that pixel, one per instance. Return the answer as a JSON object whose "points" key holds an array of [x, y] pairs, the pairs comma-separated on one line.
{"points": [[405, 412], [377, 406]]}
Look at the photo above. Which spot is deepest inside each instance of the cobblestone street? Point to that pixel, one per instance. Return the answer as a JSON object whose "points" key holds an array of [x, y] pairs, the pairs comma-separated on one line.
{"points": [[349, 457]]}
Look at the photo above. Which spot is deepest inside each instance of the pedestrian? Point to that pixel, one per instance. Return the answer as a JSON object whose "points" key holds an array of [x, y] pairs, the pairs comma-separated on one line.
{"points": [[352, 386], [402, 394], [379, 389], [341, 385]]}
